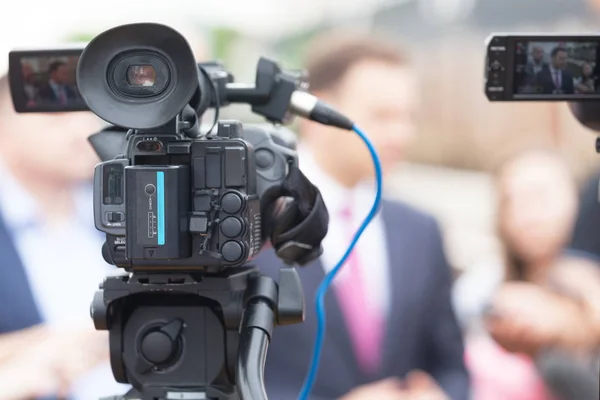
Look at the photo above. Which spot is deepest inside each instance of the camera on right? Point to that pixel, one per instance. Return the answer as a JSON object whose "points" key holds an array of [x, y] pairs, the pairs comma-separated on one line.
{"points": [[546, 67]]}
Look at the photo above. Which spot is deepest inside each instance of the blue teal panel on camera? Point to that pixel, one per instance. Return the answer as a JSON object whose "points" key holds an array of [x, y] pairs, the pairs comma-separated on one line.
{"points": [[160, 196]]}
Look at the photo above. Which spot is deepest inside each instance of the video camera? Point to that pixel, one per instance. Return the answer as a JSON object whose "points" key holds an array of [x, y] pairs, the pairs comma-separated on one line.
{"points": [[185, 210], [546, 67]]}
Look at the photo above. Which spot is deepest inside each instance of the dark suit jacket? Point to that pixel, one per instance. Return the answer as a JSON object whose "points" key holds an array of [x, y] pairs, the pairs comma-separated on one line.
{"points": [[545, 81], [17, 305], [46, 93], [422, 331], [530, 71], [586, 235]]}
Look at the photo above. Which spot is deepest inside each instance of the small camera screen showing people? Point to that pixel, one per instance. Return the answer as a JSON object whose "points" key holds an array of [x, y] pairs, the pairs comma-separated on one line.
{"points": [[50, 81], [556, 68]]}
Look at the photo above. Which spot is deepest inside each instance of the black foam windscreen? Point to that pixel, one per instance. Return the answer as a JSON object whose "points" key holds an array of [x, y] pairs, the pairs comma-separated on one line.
{"points": [[567, 378]]}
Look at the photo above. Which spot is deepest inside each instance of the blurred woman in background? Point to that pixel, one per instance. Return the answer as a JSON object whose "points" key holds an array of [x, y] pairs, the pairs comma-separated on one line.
{"points": [[585, 83], [507, 308]]}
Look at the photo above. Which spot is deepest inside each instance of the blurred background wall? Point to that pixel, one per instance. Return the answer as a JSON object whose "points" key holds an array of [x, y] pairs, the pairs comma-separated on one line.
{"points": [[462, 136]]}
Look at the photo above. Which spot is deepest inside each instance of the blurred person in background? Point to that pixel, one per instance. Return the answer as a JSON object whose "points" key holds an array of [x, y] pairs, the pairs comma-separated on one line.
{"points": [[511, 311], [536, 64], [585, 83], [50, 260], [391, 332], [57, 89], [586, 235], [29, 83], [555, 79]]}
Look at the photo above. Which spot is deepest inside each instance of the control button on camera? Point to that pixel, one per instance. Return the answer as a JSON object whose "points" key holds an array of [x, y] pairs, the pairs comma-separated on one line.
{"points": [[231, 203], [264, 158], [157, 347], [231, 227], [115, 217], [149, 252], [199, 223], [495, 66], [202, 203], [232, 251], [150, 189]]}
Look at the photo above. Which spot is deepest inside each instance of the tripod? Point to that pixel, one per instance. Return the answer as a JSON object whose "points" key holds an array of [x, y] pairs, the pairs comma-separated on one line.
{"points": [[194, 336]]}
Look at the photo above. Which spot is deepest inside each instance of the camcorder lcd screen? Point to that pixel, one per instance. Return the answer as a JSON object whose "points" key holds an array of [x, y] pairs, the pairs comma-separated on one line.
{"points": [[45, 81], [556, 68]]}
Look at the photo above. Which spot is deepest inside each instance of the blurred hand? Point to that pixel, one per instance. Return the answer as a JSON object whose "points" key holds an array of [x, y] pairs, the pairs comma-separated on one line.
{"points": [[32, 374], [51, 363], [387, 389], [80, 351], [420, 386], [580, 279], [528, 317]]}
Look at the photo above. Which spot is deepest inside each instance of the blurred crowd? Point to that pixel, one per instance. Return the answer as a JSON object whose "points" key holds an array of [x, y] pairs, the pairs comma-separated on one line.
{"points": [[401, 324], [52, 83], [562, 71]]}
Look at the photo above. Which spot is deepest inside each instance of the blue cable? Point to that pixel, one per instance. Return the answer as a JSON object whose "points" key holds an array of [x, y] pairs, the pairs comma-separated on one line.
{"points": [[322, 290]]}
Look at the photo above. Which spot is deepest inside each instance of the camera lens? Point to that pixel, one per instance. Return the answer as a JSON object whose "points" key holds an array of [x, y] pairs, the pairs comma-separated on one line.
{"points": [[141, 75]]}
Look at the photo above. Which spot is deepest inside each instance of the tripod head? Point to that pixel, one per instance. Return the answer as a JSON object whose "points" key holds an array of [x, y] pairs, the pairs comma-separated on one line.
{"points": [[180, 336]]}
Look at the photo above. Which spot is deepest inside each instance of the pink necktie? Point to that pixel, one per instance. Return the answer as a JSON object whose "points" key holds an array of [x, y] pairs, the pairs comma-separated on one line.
{"points": [[62, 95], [365, 324], [557, 81]]}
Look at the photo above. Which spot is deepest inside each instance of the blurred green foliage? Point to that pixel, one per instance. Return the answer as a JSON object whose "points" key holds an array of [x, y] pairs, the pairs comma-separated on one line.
{"points": [[291, 51], [223, 40], [80, 37]]}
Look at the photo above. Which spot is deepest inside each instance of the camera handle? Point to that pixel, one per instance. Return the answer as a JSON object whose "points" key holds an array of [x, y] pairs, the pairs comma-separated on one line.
{"points": [[195, 337]]}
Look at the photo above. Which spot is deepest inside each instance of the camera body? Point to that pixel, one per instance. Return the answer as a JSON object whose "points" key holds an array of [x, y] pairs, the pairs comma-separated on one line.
{"points": [[169, 197], [189, 203]]}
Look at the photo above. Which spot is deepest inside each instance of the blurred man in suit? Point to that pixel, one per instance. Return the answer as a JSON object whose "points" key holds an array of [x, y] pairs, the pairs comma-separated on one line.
{"points": [[29, 83], [57, 89], [50, 260], [536, 64], [556, 79], [391, 331]]}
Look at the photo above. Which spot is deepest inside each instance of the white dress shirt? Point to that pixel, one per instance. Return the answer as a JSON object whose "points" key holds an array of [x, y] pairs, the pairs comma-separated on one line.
{"points": [[537, 68], [371, 248], [64, 267]]}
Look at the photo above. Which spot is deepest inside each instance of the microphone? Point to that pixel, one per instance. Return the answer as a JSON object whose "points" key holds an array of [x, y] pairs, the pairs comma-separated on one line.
{"points": [[566, 378]]}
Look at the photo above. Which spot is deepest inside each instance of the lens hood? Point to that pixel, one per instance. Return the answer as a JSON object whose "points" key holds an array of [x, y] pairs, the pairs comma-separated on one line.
{"points": [[102, 70]]}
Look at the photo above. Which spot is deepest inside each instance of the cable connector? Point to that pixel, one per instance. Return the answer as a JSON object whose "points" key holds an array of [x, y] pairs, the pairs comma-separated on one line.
{"points": [[308, 106]]}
